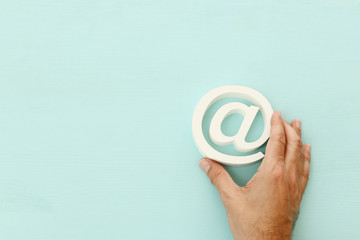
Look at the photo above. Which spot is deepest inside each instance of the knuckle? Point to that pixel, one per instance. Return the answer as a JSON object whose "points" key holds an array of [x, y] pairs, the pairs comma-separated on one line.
{"points": [[280, 138], [302, 156], [278, 173], [306, 175], [214, 176], [297, 142], [226, 196]]}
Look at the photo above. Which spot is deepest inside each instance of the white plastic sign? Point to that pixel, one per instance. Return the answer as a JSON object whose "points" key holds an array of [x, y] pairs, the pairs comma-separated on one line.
{"points": [[238, 140]]}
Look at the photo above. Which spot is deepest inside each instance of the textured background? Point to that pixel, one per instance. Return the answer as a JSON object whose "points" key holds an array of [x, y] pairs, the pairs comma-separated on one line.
{"points": [[96, 101]]}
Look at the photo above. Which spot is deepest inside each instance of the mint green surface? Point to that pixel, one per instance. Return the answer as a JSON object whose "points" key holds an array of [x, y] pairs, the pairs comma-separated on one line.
{"points": [[97, 96]]}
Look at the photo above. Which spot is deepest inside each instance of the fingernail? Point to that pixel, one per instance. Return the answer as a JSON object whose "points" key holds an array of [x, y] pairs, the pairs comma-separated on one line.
{"points": [[276, 115], [298, 123], [204, 165], [309, 147]]}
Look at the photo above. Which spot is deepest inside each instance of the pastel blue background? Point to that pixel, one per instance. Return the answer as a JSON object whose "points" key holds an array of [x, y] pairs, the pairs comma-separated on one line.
{"points": [[97, 96]]}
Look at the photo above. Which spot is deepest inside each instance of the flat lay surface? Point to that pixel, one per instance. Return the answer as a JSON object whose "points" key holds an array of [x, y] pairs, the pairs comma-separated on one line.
{"points": [[96, 103]]}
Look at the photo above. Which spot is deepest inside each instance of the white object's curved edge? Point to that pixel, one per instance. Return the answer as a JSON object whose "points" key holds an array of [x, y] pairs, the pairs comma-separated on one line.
{"points": [[229, 92]]}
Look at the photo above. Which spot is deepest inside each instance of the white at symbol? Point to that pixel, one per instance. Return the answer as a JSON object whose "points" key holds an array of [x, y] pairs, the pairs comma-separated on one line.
{"points": [[238, 140]]}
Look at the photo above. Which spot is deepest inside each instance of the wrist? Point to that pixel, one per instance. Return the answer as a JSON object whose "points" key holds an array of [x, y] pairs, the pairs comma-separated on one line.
{"points": [[279, 231], [282, 232]]}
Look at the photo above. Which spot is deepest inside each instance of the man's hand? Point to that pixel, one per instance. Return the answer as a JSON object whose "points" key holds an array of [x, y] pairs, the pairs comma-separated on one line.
{"points": [[267, 207]]}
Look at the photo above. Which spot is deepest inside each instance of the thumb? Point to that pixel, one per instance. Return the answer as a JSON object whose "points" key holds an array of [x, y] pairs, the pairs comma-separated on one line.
{"points": [[220, 178]]}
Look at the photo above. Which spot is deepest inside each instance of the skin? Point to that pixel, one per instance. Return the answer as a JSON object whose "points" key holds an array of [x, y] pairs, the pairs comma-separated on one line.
{"points": [[267, 207]]}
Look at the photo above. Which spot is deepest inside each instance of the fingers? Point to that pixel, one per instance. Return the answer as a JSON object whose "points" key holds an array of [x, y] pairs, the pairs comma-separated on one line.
{"points": [[306, 169], [275, 149], [297, 156], [294, 145], [296, 124], [220, 178], [300, 165]]}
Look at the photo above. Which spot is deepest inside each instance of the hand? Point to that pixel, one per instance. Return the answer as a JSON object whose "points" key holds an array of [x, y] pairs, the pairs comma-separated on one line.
{"points": [[267, 207]]}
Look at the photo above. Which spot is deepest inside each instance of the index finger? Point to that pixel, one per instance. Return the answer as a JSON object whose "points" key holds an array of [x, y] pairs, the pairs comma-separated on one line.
{"points": [[275, 148]]}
